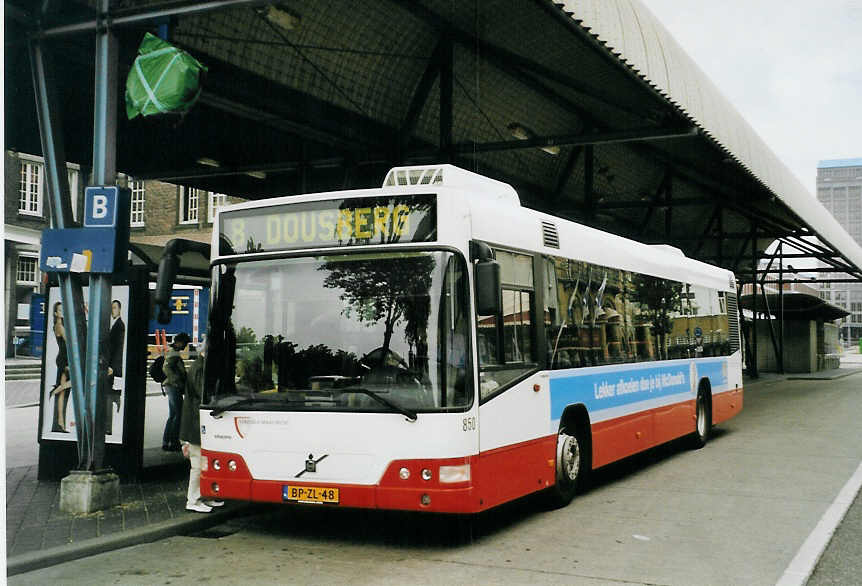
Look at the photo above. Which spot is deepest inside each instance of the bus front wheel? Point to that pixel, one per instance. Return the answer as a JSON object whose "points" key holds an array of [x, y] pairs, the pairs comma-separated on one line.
{"points": [[570, 467]]}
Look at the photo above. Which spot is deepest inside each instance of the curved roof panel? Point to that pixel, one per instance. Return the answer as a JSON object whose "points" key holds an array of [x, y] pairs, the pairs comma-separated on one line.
{"points": [[628, 29]]}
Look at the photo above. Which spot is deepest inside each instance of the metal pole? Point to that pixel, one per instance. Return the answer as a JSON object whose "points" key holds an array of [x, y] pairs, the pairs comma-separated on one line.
{"points": [[754, 373], [668, 212], [589, 202], [57, 183], [446, 85], [781, 308], [104, 173]]}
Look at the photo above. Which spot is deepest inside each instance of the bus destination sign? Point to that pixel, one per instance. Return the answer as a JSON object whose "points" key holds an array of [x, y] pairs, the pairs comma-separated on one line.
{"points": [[332, 222]]}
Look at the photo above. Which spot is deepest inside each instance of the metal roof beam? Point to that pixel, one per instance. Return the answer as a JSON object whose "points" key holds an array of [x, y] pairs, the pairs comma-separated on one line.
{"points": [[280, 123], [447, 66], [136, 16], [707, 230], [654, 202], [683, 202], [610, 137], [810, 270], [805, 246], [809, 281], [420, 97], [565, 174], [765, 256], [760, 234], [508, 58]]}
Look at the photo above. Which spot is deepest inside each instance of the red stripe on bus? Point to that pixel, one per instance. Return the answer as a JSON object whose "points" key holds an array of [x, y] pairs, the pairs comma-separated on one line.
{"points": [[726, 405]]}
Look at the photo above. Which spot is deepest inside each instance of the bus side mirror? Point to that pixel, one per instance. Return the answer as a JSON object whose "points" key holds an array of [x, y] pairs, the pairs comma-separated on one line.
{"points": [[168, 267], [164, 286], [488, 288]]}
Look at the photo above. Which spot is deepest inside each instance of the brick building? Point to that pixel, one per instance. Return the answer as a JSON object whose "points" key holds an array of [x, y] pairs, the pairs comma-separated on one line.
{"points": [[159, 212]]}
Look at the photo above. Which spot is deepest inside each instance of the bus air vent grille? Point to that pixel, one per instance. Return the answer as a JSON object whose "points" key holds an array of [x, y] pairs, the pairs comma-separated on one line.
{"points": [[404, 177], [550, 236], [733, 322]]}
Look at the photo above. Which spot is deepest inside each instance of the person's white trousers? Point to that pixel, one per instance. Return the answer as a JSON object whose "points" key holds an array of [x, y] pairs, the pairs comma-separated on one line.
{"points": [[194, 493]]}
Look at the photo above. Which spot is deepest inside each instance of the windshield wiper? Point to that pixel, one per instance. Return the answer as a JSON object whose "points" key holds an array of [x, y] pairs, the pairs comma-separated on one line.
{"points": [[410, 415], [244, 401]]}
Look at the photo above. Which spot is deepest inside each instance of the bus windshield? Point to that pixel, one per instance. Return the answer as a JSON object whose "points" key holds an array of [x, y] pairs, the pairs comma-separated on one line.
{"points": [[376, 332]]}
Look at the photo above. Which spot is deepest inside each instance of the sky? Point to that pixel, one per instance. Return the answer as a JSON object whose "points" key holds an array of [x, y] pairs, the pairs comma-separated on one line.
{"points": [[792, 68]]}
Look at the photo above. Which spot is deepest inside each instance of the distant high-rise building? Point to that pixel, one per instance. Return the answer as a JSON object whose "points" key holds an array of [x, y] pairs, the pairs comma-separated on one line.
{"points": [[839, 189]]}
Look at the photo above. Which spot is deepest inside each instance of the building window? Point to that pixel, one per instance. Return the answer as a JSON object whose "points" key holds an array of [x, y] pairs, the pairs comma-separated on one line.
{"points": [[139, 199], [30, 193], [189, 204], [28, 270], [216, 201]]}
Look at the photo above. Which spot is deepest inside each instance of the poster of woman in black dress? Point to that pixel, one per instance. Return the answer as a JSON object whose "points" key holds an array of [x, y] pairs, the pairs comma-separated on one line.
{"points": [[58, 413], [62, 386]]}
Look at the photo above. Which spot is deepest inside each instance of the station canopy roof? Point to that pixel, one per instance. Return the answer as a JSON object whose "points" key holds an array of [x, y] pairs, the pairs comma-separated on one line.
{"points": [[797, 306], [589, 108]]}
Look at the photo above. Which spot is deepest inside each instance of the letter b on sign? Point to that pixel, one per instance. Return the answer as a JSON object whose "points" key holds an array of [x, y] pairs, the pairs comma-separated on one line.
{"points": [[100, 207]]}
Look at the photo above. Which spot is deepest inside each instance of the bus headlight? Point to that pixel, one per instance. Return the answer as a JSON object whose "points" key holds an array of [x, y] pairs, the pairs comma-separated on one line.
{"points": [[216, 465], [404, 474], [450, 474], [231, 465], [426, 474]]}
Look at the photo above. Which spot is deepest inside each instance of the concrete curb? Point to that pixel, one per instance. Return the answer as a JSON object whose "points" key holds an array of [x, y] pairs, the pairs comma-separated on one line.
{"points": [[189, 523], [814, 376]]}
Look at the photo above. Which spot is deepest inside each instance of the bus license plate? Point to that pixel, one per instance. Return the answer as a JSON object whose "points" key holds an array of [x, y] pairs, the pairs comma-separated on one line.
{"points": [[310, 494]]}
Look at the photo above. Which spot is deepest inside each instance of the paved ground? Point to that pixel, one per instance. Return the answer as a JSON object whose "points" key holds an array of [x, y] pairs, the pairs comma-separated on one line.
{"points": [[39, 534]]}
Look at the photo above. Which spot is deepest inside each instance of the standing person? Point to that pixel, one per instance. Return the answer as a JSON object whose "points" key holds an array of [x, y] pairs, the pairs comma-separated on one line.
{"points": [[116, 342], [175, 371], [190, 434], [62, 385]]}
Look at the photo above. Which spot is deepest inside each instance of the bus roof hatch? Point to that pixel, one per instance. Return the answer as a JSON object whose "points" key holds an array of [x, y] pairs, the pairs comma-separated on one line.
{"points": [[452, 176]]}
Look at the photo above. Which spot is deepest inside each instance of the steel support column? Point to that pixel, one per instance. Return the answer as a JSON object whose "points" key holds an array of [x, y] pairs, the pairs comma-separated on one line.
{"points": [[57, 183], [780, 307], [447, 75], [753, 343], [104, 173], [589, 177], [772, 336], [668, 210]]}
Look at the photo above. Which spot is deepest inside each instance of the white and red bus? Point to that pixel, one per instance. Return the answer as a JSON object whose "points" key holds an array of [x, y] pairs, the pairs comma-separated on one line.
{"points": [[432, 345]]}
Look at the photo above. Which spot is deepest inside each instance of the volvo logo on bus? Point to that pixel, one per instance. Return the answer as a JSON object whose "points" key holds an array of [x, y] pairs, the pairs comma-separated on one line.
{"points": [[311, 464]]}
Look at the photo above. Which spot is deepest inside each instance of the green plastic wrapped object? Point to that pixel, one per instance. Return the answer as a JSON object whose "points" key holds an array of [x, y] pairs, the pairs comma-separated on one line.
{"points": [[163, 80]]}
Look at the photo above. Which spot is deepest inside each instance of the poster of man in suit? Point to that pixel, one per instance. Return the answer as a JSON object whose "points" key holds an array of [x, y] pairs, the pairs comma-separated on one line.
{"points": [[58, 411], [116, 347]]}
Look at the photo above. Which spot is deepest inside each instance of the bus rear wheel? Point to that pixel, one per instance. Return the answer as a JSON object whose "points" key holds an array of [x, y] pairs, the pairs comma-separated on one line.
{"points": [[570, 467], [703, 418]]}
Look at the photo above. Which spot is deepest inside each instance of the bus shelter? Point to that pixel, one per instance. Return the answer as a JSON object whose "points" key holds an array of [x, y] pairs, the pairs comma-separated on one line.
{"points": [[126, 400]]}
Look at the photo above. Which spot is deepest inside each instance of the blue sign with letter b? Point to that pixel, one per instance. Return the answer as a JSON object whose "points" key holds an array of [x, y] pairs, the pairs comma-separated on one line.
{"points": [[100, 207]]}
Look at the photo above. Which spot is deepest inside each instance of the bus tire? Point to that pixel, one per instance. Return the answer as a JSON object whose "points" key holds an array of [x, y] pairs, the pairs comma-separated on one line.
{"points": [[702, 419], [570, 466]]}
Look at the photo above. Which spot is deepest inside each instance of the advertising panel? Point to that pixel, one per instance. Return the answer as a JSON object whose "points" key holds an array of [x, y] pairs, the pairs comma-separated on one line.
{"points": [[58, 413]]}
